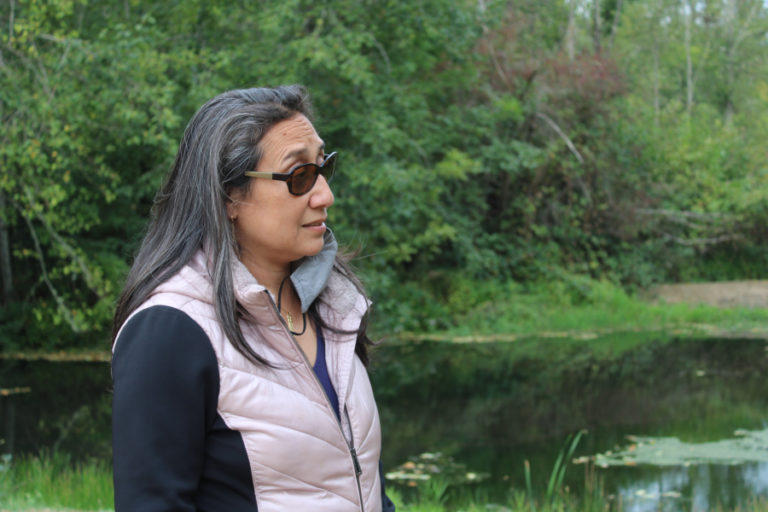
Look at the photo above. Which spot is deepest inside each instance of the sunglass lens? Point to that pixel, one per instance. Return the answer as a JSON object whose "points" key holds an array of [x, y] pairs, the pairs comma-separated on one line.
{"points": [[329, 166], [303, 179]]}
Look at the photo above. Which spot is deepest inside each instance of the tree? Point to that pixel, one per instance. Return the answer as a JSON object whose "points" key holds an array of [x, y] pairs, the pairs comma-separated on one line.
{"points": [[77, 117]]}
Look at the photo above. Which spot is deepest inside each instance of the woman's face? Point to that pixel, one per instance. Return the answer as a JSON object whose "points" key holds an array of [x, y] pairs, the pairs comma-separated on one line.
{"points": [[272, 226]]}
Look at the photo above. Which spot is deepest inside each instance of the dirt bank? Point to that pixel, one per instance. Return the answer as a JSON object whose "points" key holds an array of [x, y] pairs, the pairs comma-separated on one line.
{"points": [[752, 294]]}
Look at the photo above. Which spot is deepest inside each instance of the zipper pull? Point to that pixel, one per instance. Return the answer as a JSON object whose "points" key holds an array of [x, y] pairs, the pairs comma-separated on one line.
{"points": [[358, 469]]}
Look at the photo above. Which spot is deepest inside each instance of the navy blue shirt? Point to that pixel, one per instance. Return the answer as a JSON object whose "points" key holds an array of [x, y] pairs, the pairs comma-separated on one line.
{"points": [[321, 370]]}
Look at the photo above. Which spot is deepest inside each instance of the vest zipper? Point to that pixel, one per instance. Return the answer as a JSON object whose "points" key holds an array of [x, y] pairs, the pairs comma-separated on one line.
{"points": [[358, 469], [351, 444]]}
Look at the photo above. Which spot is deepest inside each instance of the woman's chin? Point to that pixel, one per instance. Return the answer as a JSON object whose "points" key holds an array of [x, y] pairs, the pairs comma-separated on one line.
{"points": [[314, 251]]}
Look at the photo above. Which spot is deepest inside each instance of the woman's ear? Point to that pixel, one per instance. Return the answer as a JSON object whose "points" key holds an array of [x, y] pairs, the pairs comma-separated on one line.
{"points": [[232, 209]]}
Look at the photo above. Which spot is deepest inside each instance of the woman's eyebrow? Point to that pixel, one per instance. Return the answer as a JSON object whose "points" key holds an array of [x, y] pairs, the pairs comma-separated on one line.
{"points": [[300, 152]]}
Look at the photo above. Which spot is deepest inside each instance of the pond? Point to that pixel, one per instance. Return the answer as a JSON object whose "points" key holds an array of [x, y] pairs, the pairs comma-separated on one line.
{"points": [[493, 406]]}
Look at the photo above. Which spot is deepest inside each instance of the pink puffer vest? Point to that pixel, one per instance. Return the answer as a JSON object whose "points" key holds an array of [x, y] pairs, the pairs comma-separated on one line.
{"points": [[301, 456]]}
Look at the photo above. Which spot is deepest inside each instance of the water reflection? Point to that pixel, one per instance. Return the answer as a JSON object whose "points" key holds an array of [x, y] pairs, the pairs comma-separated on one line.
{"points": [[67, 409], [698, 487], [492, 407]]}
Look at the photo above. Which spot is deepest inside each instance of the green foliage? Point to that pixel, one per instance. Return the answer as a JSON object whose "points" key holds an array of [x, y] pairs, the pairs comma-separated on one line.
{"points": [[52, 480], [458, 306], [84, 122], [496, 141]]}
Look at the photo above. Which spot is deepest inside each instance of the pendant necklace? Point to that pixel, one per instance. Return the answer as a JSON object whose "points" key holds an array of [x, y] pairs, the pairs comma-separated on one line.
{"points": [[288, 317]]}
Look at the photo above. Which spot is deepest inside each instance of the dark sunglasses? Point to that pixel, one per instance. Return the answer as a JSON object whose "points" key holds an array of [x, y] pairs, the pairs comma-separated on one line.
{"points": [[302, 178]]}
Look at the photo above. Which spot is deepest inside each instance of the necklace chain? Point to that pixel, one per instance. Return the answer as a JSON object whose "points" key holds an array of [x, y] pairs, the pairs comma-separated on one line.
{"points": [[287, 315]]}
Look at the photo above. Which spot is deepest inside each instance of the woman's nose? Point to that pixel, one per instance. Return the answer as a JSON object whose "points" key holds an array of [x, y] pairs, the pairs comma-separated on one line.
{"points": [[321, 194]]}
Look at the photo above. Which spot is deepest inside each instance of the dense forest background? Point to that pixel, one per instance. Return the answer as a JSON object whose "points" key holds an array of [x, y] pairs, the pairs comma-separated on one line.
{"points": [[483, 144]]}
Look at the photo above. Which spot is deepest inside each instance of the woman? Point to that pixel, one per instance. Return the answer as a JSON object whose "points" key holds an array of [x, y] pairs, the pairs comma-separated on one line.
{"points": [[239, 342]]}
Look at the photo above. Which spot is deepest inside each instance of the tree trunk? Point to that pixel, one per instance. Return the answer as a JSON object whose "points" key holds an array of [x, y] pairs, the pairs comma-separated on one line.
{"points": [[688, 58], [570, 32], [731, 23], [656, 83], [615, 25], [5, 254], [597, 27]]}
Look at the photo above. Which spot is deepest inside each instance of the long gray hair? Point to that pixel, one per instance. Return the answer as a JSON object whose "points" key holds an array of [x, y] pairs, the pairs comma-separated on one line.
{"points": [[221, 142]]}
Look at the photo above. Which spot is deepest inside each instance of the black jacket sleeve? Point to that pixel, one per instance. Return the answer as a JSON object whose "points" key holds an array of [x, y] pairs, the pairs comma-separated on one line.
{"points": [[165, 391]]}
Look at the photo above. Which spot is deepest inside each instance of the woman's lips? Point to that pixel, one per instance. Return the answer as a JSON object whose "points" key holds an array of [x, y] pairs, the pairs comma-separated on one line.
{"points": [[315, 226]]}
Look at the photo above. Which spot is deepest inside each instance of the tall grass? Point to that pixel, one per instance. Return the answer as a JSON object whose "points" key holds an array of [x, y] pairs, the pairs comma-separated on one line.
{"points": [[593, 500], [434, 496], [579, 303], [53, 480]]}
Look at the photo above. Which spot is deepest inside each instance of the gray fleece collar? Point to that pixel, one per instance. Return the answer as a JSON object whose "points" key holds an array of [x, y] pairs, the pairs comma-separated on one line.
{"points": [[311, 275]]}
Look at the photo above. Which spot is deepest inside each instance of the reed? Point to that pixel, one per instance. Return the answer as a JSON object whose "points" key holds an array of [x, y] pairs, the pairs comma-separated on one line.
{"points": [[555, 497], [52, 479]]}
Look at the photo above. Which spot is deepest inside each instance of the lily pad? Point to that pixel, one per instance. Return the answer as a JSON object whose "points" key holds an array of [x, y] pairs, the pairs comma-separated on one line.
{"points": [[747, 446], [430, 465]]}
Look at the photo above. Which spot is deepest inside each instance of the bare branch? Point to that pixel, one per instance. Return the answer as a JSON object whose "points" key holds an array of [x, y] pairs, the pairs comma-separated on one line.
{"points": [[492, 49], [615, 26], [743, 31], [699, 242], [497, 65], [570, 31], [672, 214], [5, 254], [689, 58], [596, 28], [383, 53], [11, 19], [67, 43], [37, 70], [63, 309], [553, 125], [89, 279]]}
